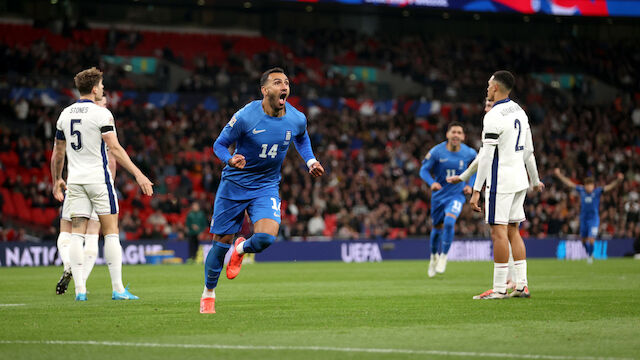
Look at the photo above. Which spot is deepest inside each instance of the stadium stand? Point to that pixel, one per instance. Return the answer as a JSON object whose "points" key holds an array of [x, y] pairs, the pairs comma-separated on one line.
{"points": [[372, 147]]}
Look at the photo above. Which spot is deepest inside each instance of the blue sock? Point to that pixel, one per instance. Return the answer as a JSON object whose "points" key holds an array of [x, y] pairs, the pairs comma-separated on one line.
{"points": [[258, 242], [447, 233], [214, 263], [434, 241], [589, 249]]}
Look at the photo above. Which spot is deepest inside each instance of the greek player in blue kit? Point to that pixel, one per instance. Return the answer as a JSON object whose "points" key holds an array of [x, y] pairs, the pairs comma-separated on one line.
{"points": [[589, 207], [446, 159], [262, 132]]}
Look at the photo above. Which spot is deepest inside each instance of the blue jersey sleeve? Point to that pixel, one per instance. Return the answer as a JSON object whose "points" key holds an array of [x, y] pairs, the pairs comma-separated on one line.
{"points": [[580, 190], [229, 135], [301, 140], [427, 166], [303, 145]]}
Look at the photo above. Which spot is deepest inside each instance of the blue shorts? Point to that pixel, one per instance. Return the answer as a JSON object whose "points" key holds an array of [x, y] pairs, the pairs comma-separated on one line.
{"points": [[589, 228], [228, 214], [440, 209]]}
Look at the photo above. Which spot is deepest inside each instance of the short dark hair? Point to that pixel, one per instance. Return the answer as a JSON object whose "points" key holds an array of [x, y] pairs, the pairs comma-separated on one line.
{"points": [[265, 75], [85, 80], [505, 78], [453, 124], [589, 180]]}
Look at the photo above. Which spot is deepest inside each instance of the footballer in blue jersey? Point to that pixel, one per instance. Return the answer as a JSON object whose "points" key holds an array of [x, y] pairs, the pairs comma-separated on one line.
{"points": [[262, 132], [589, 207], [446, 159]]}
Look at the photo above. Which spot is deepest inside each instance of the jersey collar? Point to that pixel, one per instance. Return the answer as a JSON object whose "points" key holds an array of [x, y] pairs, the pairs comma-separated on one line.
{"points": [[501, 102], [84, 101]]}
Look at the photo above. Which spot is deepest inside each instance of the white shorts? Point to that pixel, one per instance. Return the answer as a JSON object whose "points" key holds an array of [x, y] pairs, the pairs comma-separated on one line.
{"points": [[504, 209], [66, 211], [84, 199]]}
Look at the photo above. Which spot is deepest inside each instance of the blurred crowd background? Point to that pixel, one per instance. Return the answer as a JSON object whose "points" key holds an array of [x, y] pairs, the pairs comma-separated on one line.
{"points": [[364, 93]]}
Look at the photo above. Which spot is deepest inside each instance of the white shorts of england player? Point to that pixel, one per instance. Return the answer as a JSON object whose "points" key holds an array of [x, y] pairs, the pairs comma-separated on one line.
{"points": [[66, 209], [505, 209], [84, 199]]}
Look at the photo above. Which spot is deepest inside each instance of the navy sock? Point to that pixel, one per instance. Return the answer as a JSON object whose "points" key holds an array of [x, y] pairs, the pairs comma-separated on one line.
{"points": [[258, 242], [214, 263], [434, 240], [447, 233]]}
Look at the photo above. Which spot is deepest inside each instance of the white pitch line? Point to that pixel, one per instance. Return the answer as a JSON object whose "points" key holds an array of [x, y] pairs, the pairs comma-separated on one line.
{"points": [[1, 305], [309, 348]]}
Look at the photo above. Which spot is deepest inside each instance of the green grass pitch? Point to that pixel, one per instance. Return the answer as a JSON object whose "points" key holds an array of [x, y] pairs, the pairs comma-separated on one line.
{"points": [[330, 310]]}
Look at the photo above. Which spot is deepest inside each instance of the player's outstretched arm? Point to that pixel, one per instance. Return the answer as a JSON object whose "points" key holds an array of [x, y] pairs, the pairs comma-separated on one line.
{"points": [[565, 180], [123, 159], [485, 158], [303, 146], [530, 163], [57, 163], [112, 160], [614, 183], [467, 174]]}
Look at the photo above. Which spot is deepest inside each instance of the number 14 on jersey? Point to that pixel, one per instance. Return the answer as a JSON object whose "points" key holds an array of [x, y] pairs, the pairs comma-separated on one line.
{"points": [[273, 152]]}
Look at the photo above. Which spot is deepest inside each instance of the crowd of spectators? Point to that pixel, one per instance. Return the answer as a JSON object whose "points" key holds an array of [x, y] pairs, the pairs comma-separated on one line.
{"points": [[372, 188]]}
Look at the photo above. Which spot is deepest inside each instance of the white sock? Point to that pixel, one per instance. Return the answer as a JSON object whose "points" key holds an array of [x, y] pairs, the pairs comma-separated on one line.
{"points": [[63, 249], [206, 293], [433, 258], [240, 248], [90, 253], [500, 277], [76, 256], [511, 273], [113, 258], [520, 273]]}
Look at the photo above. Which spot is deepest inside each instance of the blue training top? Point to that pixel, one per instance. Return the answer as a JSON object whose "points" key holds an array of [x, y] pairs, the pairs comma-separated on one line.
{"points": [[444, 163], [589, 202], [263, 140]]}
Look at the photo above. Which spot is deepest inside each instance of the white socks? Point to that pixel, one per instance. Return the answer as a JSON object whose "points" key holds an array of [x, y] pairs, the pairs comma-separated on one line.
{"points": [[206, 293], [511, 273], [90, 254], [240, 248], [113, 258], [520, 267], [500, 277], [64, 240], [76, 257]]}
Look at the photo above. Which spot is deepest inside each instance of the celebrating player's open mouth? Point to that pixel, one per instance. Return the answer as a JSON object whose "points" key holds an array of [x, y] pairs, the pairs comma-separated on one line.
{"points": [[282, 98]]}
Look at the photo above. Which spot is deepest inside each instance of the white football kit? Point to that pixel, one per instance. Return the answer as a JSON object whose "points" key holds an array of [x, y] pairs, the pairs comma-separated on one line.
{"points": [[507, 134], [89, 181], [66, 209]]}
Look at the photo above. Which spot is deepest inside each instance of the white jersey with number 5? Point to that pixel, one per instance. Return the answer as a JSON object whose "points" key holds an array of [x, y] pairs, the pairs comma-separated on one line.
{"points": [[81, 125], [507, 126]]}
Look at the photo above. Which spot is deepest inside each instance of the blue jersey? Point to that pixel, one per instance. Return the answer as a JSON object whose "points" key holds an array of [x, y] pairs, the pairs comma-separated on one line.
{"points": [[263, 140], [589, 202], [443, 163]]}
